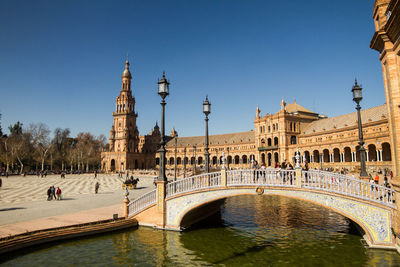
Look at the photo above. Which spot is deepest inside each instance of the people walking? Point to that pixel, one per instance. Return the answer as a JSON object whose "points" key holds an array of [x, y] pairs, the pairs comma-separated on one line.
{"points": [[49, 194], [96, 187], [53, 192], [58, 192]]}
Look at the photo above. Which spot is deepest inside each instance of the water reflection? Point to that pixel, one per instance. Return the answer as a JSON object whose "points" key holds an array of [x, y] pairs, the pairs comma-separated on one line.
{"points": [[249, 230]]}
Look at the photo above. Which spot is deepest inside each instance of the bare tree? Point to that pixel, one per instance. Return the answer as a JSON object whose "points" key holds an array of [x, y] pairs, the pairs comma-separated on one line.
{"points": [[61, 145], [40, 140], [5, 152], [20, 147]]}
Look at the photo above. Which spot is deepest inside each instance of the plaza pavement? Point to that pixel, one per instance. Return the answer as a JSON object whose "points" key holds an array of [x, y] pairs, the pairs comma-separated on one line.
{"points": [[24, 206]]}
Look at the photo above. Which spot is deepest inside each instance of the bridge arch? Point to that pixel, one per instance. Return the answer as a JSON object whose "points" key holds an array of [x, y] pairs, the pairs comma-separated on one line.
{"points": [[375, 221]]}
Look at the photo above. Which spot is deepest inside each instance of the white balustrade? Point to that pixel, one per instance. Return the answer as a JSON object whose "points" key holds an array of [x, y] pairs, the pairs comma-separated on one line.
{"points": [[312, 179], [141, 203]]}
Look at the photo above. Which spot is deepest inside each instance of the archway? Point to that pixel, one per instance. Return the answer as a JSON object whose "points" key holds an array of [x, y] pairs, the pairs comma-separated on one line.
{"points": [[372, 152], [316, 156], [269, 159], [358, 212], [326, 155], [293, 140], [178, 161], [307, 156], [171, 161], [157, 161], [244, 159], [214, 160], [386, 153], [136, 164], [112, 165], [336, 155], [236, 159], [269, 142], [200, 160], [347, 154], [275, 141], [263, 158], [276, 157]]}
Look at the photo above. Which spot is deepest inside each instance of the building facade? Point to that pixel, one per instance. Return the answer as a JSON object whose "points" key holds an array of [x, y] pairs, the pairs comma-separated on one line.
{"points": [[323, 142], [386, 41]]}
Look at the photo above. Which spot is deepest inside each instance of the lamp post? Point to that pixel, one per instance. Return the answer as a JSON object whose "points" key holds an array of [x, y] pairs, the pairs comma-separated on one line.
{"points": [[227, 149], [163, 91], [194, 156], [207, 111], [184, 162], [176, 142], [357, 97]]}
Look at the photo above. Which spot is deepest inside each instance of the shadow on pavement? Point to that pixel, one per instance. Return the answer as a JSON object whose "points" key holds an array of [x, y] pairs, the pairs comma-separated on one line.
{"points": [[16, 208]]}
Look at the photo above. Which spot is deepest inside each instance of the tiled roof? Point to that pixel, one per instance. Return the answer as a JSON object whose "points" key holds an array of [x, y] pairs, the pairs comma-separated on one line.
{"points": [[214, 140], [296, 107], [367, 115]]}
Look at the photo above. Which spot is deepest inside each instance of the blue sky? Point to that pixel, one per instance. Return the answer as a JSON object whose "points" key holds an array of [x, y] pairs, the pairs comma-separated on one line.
{"points": [[61, 61]]}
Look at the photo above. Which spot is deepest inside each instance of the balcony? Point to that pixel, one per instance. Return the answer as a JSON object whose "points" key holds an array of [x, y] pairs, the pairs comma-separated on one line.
{"points": [[267, 148]]}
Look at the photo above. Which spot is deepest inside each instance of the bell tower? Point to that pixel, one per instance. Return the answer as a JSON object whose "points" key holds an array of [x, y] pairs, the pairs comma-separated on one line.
{"points": [[124, 135]]}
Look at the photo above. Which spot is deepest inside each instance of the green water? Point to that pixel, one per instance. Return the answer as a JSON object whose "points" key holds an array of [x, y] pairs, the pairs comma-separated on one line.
{"points": [[249, 231]]}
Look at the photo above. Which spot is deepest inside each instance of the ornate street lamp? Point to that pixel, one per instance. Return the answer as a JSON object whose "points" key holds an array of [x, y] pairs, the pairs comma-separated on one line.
{"points": [[176, 142], [194, 155], [163, 91], [184, 162], [357, 97], [207, 111]]}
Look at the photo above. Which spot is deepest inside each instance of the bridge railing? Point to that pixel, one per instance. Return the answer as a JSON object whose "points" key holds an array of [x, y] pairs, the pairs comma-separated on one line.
{"points": [[141, 203], [194, 183], [266, 177], [349, 186]]}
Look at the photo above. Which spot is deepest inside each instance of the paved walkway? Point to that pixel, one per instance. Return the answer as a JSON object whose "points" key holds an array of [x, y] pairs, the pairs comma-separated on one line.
{"points": [[24, 206]]}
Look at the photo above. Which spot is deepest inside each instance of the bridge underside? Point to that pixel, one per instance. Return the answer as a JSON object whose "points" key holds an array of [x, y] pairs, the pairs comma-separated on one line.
{"points": [[373, 219]]}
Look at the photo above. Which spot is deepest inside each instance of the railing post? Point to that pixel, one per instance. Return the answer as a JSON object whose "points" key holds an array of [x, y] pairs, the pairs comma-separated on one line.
{"points": [[126, 210], [298, 177], [223, 178]]}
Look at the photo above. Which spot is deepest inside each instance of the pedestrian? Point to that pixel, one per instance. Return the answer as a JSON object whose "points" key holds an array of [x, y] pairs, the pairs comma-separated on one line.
{"points": [[95, 174], [1, 182], [96, 187], [385, 181], [58, 192], [391, 175], [6, 174], [53, 192], [377, 179], [49, 194]]}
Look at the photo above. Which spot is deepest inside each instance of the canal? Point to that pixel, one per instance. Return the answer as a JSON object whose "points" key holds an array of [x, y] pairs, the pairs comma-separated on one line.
{"points": [[248, 231]]}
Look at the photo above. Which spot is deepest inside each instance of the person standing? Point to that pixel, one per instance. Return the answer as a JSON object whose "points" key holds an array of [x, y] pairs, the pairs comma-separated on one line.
{"points": [[377, 179], [49, 194], [53, 192], [58, 192], [95, 174], [1, 182], [96, 187]]}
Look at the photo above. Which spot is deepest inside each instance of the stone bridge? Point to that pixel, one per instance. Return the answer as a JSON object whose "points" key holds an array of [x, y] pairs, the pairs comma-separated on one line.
{"points": [[171, 205]]}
